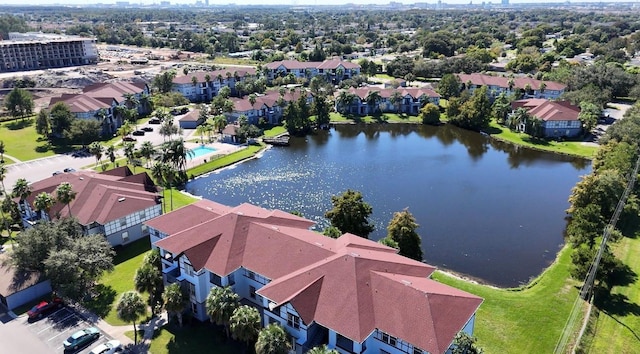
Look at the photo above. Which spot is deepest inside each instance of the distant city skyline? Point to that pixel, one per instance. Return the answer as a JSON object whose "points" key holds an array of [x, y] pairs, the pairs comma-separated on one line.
{"points": [[305, 2]]}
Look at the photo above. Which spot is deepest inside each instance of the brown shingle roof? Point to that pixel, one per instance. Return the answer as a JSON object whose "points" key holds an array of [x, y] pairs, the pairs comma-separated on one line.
{"points": [[549, 110], [213, 75], [503, 82], [81, 103], [99, 197], [12, 280], [350, 284]]}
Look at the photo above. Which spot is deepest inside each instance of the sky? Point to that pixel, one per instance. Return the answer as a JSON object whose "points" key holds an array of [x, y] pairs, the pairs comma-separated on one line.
{"points": [[298, 2]]}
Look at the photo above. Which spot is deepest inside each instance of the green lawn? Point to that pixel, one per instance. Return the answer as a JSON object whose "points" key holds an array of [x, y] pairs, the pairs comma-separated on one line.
{"points": [[528, 320], [575, 148], [277, 130], [191, 338], [22, 142], [111, 285], [224, 161], [616, 322], [385, 117]]}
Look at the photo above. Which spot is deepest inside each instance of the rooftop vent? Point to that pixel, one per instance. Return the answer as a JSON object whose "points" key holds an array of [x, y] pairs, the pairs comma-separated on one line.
{"points": [[275, 228], [121, 199], [355, 254], [405, 282]]}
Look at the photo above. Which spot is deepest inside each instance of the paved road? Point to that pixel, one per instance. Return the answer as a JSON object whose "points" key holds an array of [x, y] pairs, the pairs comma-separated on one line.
{"points": [[36, 170], [16, 338]]}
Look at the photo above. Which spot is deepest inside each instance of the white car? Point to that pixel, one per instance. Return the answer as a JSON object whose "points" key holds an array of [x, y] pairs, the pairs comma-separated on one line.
{"points": [[109, 347]]}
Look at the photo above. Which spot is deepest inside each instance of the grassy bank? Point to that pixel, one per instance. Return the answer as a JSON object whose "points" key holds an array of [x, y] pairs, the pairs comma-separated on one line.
{"points": [[528, 320], [22, 142], [225, 160], [615, 322], [575, 148], [382, 118]]}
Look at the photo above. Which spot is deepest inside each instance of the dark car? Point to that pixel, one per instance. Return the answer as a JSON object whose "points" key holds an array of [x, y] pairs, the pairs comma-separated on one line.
{"points": [[81, 338], [138, 132], [128, 138], [154, 121], [44, 308], [57, 173], [147, 129], [69, 169]]}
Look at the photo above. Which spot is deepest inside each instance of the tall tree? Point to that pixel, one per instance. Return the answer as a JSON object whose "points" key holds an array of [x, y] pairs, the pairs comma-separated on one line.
{"points": [[43, 123], [149, 279], [449, 86], [273, 340], [174, 301], [464, 343], [2, 151], [65, 195], [396, 100], [402, 229], [3, 192], [147, 150], [19, 103], [221, 303], [588, 116], [245, 324], [130, 307], [164, 82], [475, 114], [350, 213], [320, 108], [43, 203], [430, 114], [501, 107], [22, 190], [96, 149], [111, 153], [61, 118]]}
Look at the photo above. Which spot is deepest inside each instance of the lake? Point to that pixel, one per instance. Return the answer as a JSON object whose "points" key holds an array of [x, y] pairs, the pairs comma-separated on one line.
{"points": [[486, 209]]}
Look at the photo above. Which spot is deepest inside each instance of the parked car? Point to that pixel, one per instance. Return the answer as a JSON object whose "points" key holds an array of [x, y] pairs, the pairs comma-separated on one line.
{"points": [[154, 121], [44, 308], [138, 132], [147, 129], [81, 338], [56, 173], [109, 347], [129, 138], [69, 169]]}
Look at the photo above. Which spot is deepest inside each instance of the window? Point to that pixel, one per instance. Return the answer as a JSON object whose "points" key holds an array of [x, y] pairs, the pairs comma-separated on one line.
{"points": [[417, 351], [145, 229], [252, 291], [125, 237], [391, 340], [382, 351], [293, 321], [192, 290], [194, 308], [232, 279], [251, 275], [188, 268], [123, 222], [215, 279]]}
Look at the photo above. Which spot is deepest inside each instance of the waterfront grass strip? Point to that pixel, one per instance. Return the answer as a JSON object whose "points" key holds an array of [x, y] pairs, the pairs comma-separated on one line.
{"points": [[574, 148], [524, 320], [224, 161], [616, 323]]}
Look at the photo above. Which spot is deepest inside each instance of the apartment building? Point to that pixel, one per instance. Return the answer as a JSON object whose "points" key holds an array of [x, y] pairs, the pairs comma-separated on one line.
{"points": [[33, 51]]}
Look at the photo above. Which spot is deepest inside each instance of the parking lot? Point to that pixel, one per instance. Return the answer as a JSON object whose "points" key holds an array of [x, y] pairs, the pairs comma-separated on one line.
{"points": [[58, 326]]}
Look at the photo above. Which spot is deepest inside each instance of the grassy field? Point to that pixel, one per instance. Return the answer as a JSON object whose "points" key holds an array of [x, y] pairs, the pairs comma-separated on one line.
{"points": [[22, 142], [575, 148], [615, 325], [191, 338], [224, 161], [528, 320]]}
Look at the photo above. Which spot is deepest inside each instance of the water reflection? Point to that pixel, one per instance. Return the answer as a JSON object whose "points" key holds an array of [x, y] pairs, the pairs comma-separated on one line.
{"points": [[486, 209]]}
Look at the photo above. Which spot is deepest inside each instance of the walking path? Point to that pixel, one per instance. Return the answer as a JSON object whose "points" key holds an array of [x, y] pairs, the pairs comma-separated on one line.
{"points": [[11, 158]]}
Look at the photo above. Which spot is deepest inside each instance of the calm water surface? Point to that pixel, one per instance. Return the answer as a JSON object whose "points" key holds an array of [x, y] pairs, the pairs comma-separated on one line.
{"points": [[486, 209]]}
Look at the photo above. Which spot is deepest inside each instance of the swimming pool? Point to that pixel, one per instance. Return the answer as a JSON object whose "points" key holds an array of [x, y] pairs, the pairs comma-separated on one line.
{"points": [[201, 151]]}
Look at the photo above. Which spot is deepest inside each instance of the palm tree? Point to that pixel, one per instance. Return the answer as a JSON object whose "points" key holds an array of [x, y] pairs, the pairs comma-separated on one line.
{"points": [[145, 103], [396, 99], [221, 303], [130, 101], [202, 129], [22, 189], [322, 350], [125, 129], [245, 324], [157, 173], [43, 203], [177, 154], [344, 101], [65, 195], [372, 99], [169, 176], [148, 279], [96, 149], [273, 340], [130, 307], [3, 175], [252, 99], [120, 113], [111, 153], [174, 301], [162, 114], [519, 117], [129, 151], [2, 150], [219, 123], [147, 150]]}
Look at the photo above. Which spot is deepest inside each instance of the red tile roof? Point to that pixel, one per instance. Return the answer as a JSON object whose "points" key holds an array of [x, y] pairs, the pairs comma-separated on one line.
{"points": [[350, 284], [549, 110], [99, 197], [213, 75], [414, 92], [501, 81], [81, 103], [298, 65], [115, 90]]}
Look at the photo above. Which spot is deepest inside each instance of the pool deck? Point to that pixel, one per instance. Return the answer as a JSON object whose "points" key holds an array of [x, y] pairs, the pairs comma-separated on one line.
{"points": [[221, 149]]}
